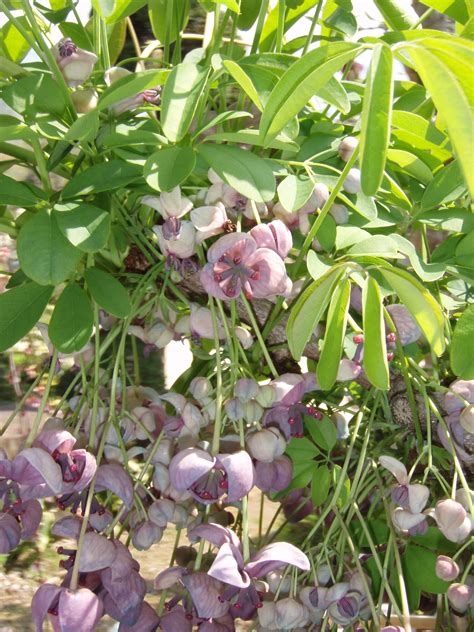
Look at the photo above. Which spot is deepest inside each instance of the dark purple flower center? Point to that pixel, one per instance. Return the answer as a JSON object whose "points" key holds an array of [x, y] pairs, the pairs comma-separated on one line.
{"points": [[70, 468], [240, 203], [172, 228], [232, 274], [400, 495], [67, 48], [70, 557], [348, 607], [211, 486]]}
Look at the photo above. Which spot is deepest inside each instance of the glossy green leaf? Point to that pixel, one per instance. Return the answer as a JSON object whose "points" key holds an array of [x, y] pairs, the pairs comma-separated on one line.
{"points": [[85, 226], [407, 162], [168, 167], [462, 358], [293, 14], [252, 137], [249, 174], [157, 11], [320, 485], [345, 487], [421, 568], [45, 255], [419, 302], [323, 432], [294, 192], [336, 323], [85, 127], [376, 115], [72, 320], [377, 245], [105, 176], [115, 10], [447, 186], [445, 68], [131, 85], [397, 14], [335, 94], [420, 134], [233, 5], [249, 10], [20, 309], [308, 311], [13, 45], [183, 88], [244, 81], [465, 251], [375, 346], [16, 193], [107, 292], [301, 82], [455, 9]]}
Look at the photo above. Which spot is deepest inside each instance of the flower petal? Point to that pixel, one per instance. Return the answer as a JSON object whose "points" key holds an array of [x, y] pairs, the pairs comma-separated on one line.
{"points": [[272, 277], [275, 556], [79, 610], [97, 552], [147, 621], [188, 466], [228, 567], [114, 478], [238, 244], [30, 518], [9, 533], [395, 467], [417, 497], [240, 474], [214, 533], [67, 527], [41, 603], [37, 473], [205, 593]]}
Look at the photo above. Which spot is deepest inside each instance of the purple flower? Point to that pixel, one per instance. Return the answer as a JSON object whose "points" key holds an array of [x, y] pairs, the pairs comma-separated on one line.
{"points": [[75, 63], [276, 236], [208, 478], [67, 610], [407, 329], [236, 264], [273, 477], [229, 567], [77, 466], [115, 73], [10, 533]]}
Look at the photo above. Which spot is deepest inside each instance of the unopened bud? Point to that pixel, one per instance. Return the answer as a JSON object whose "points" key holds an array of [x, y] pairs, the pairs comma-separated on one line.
{"points": [[352, 182], [200, 388], [446, 568], [85, 100], [460, 596], [347, 147], [467, 419], [266, 445]]}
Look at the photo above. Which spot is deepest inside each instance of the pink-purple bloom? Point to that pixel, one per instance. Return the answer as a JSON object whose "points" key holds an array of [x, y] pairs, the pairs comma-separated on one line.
{"points": [[237, 264]]}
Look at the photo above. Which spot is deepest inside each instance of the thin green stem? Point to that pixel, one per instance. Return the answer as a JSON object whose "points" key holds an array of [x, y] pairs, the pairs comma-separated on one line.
{"points": [[260, 24], [39, 414], [314, 23], [258, 334]]}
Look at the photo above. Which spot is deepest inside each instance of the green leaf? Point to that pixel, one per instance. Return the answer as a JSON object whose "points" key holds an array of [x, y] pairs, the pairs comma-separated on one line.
{"points": [[397, 14], [420, 564], [320, 485], [157, 11], [45, 255], [249, 10], [465, 251], [422, 135], [302, 81], [323, 432], [301, 449], [447, 185], [105, 176], [294, 192], [244, 81], [308, 311], [16, 193], [85, 226], [72, 320], [346, 486], [115, 10], [107, 292], [183, 88], [375, 346], [233, 5], [410, 164], [336, 323], [20, 310], [335, 94], [419, 302], [462, 358], [376, 114], [131, 85], [249, 174], [252, 137], [455, 9], [293, 14], [37, 93], [375, 245], [168, 167], [13, 45], [85, 127], [445, 68]]}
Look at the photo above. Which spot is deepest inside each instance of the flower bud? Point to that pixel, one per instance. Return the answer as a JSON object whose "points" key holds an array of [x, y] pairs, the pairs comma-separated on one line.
{"points": [[347, 147], [145, 534], [161, 512], [276, 236], [446, 568], [164, 452], [244, 336], [234, 409], [246, 389], [201, 322], [467, 419], [200, 388], [453, 521], [252, 411], [277, 582], [339, 213], [266, 445], [85, 100], [146, 419], [323, 573], [460, 596], [266, 395], [406, 326], [348, 370], [352, 182]]}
